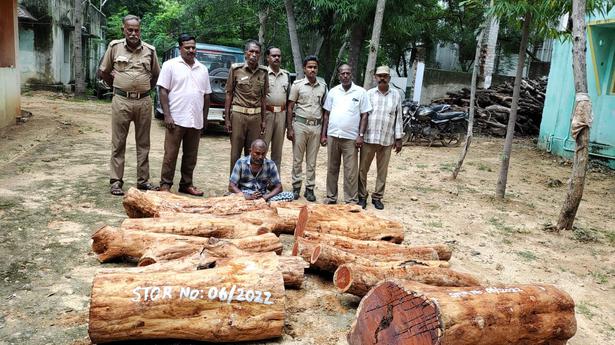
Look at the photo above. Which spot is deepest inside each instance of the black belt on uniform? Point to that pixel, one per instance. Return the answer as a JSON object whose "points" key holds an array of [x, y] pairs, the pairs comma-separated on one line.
{"points": [[309, 122], [130, 94]]}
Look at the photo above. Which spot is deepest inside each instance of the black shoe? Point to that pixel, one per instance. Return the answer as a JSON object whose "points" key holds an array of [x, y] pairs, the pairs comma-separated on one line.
{"points": [[363, 203], [378, 204], [296, 192], [309, 195], [147, 186]]}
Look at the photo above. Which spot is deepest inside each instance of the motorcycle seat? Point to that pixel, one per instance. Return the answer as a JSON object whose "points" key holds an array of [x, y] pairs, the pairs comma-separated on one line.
{"points": [[449, 115], [439, 107]]}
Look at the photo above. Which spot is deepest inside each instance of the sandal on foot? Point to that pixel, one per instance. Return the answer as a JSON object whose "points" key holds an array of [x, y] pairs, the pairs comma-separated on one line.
{"points": [[116, 188]]}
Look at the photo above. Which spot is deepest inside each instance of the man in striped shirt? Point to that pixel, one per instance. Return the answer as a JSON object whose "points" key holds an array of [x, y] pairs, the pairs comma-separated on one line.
{"points": [[384, 130]]}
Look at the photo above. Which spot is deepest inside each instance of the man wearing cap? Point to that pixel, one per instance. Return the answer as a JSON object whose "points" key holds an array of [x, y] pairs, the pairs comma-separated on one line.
{"points": [[304, 118], [344, 121], [384, 130], [279, 86], [244, 106], [131, 66]]}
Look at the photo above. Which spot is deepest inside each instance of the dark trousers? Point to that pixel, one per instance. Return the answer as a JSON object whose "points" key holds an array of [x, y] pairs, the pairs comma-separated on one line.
{"points": [[189, 139], [246, 129]]}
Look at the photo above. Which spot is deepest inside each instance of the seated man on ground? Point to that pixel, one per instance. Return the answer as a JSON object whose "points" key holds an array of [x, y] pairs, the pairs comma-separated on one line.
{"points": [[257, 177]]}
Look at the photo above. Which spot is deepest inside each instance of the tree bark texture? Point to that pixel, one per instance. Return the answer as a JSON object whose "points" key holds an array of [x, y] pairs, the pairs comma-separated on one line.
{"points": [[403, 312], [373, 45], [246, 224], [292, 267], [328, 258], [263, 14], [500, 190], [294, 38], [140, 204], [111, 243], [240, 301], [377, 249], [357, 36], [468, 141], [359, 279], [581, 119]]}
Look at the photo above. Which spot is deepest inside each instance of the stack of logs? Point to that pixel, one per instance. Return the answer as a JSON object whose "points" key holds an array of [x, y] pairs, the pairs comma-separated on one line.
{"points": [[493, 107], [211, 270]]}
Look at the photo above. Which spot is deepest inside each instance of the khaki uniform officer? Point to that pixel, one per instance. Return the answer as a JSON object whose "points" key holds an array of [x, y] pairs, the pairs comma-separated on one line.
{"points": [[279, 86], [246, 89], [131, 66], [305, 102]]}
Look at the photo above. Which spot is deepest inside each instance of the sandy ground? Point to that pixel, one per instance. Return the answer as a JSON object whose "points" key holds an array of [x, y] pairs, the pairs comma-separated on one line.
{"points": [[54, 194]]}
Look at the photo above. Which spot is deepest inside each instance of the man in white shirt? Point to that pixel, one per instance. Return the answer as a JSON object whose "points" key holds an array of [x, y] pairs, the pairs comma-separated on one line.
{"points": [[184, 97], [343, 126]]}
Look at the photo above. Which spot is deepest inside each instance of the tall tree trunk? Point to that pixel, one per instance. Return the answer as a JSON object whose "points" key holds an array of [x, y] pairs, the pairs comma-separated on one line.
{"points": [[466, 145], [263, 14], [489, 44], [357, 35], [373, 45], [294, 39], [78, 52], [319, 42], [340, 53], [500, 189], [581, 121]]}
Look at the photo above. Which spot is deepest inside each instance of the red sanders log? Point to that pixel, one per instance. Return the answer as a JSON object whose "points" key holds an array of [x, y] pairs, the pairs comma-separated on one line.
{"points": [[359, 279], [408, 313], [241, 300]]}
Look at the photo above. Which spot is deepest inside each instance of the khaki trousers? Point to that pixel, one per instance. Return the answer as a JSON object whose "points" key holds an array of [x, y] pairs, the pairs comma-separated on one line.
{"points": [[123, 112], [275, 135], [383, 155], [339, 149], [189, 139], [307, 143], [245, 129]]}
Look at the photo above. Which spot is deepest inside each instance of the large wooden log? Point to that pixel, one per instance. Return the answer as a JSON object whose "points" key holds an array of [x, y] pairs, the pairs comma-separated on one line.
{"points": [[408, 313], [381, 250], [149, 204], [240, 300], [359, 279], [345, 220], [292, 267], [206, 225], [328, 258], [110, 243]]}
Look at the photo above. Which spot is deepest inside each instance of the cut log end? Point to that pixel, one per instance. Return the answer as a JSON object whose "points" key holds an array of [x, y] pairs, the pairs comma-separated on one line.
{"points": [[315, 254], [342, 278], [295, 250], [396, 317]]}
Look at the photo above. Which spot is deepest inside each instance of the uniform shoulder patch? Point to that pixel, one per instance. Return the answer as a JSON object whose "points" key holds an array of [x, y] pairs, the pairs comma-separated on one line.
{"points": [[237, 65], [151, 47], [114, 42], [264, 68]]}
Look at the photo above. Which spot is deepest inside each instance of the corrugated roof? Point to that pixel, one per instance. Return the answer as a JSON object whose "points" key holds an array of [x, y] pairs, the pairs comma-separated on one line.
{"points": [[22, 13]]}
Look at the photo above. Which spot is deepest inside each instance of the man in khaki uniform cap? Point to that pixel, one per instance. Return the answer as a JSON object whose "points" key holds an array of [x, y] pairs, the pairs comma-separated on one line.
{"points": [[244, 106], [279, 86], [131, 66], [305, 101]]}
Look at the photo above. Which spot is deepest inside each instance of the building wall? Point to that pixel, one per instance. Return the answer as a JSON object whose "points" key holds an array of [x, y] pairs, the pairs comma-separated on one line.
{"points": [[47, 44], [555, 134], [9, 70]]}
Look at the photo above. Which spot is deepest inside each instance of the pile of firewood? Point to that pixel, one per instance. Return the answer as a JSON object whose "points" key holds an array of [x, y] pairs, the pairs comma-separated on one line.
{"points": [[212, 270], [493, 107]]}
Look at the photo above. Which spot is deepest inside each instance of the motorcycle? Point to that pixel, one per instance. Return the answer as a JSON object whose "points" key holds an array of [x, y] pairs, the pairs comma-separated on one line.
{"points": [[433, 123]]}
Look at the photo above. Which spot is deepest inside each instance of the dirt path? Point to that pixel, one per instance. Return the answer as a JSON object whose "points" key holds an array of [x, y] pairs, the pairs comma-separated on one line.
{"points": [[54, 194]]}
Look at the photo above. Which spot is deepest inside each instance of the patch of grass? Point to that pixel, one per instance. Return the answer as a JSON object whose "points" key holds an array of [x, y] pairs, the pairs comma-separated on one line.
{"points": [[600, 278], [507, 241], [421, 166], [527, 255], [500, 225], [9, 203], [610, 237], [583, 309], [447, 167], [434, 224], [484, 167], [585, 235]]}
